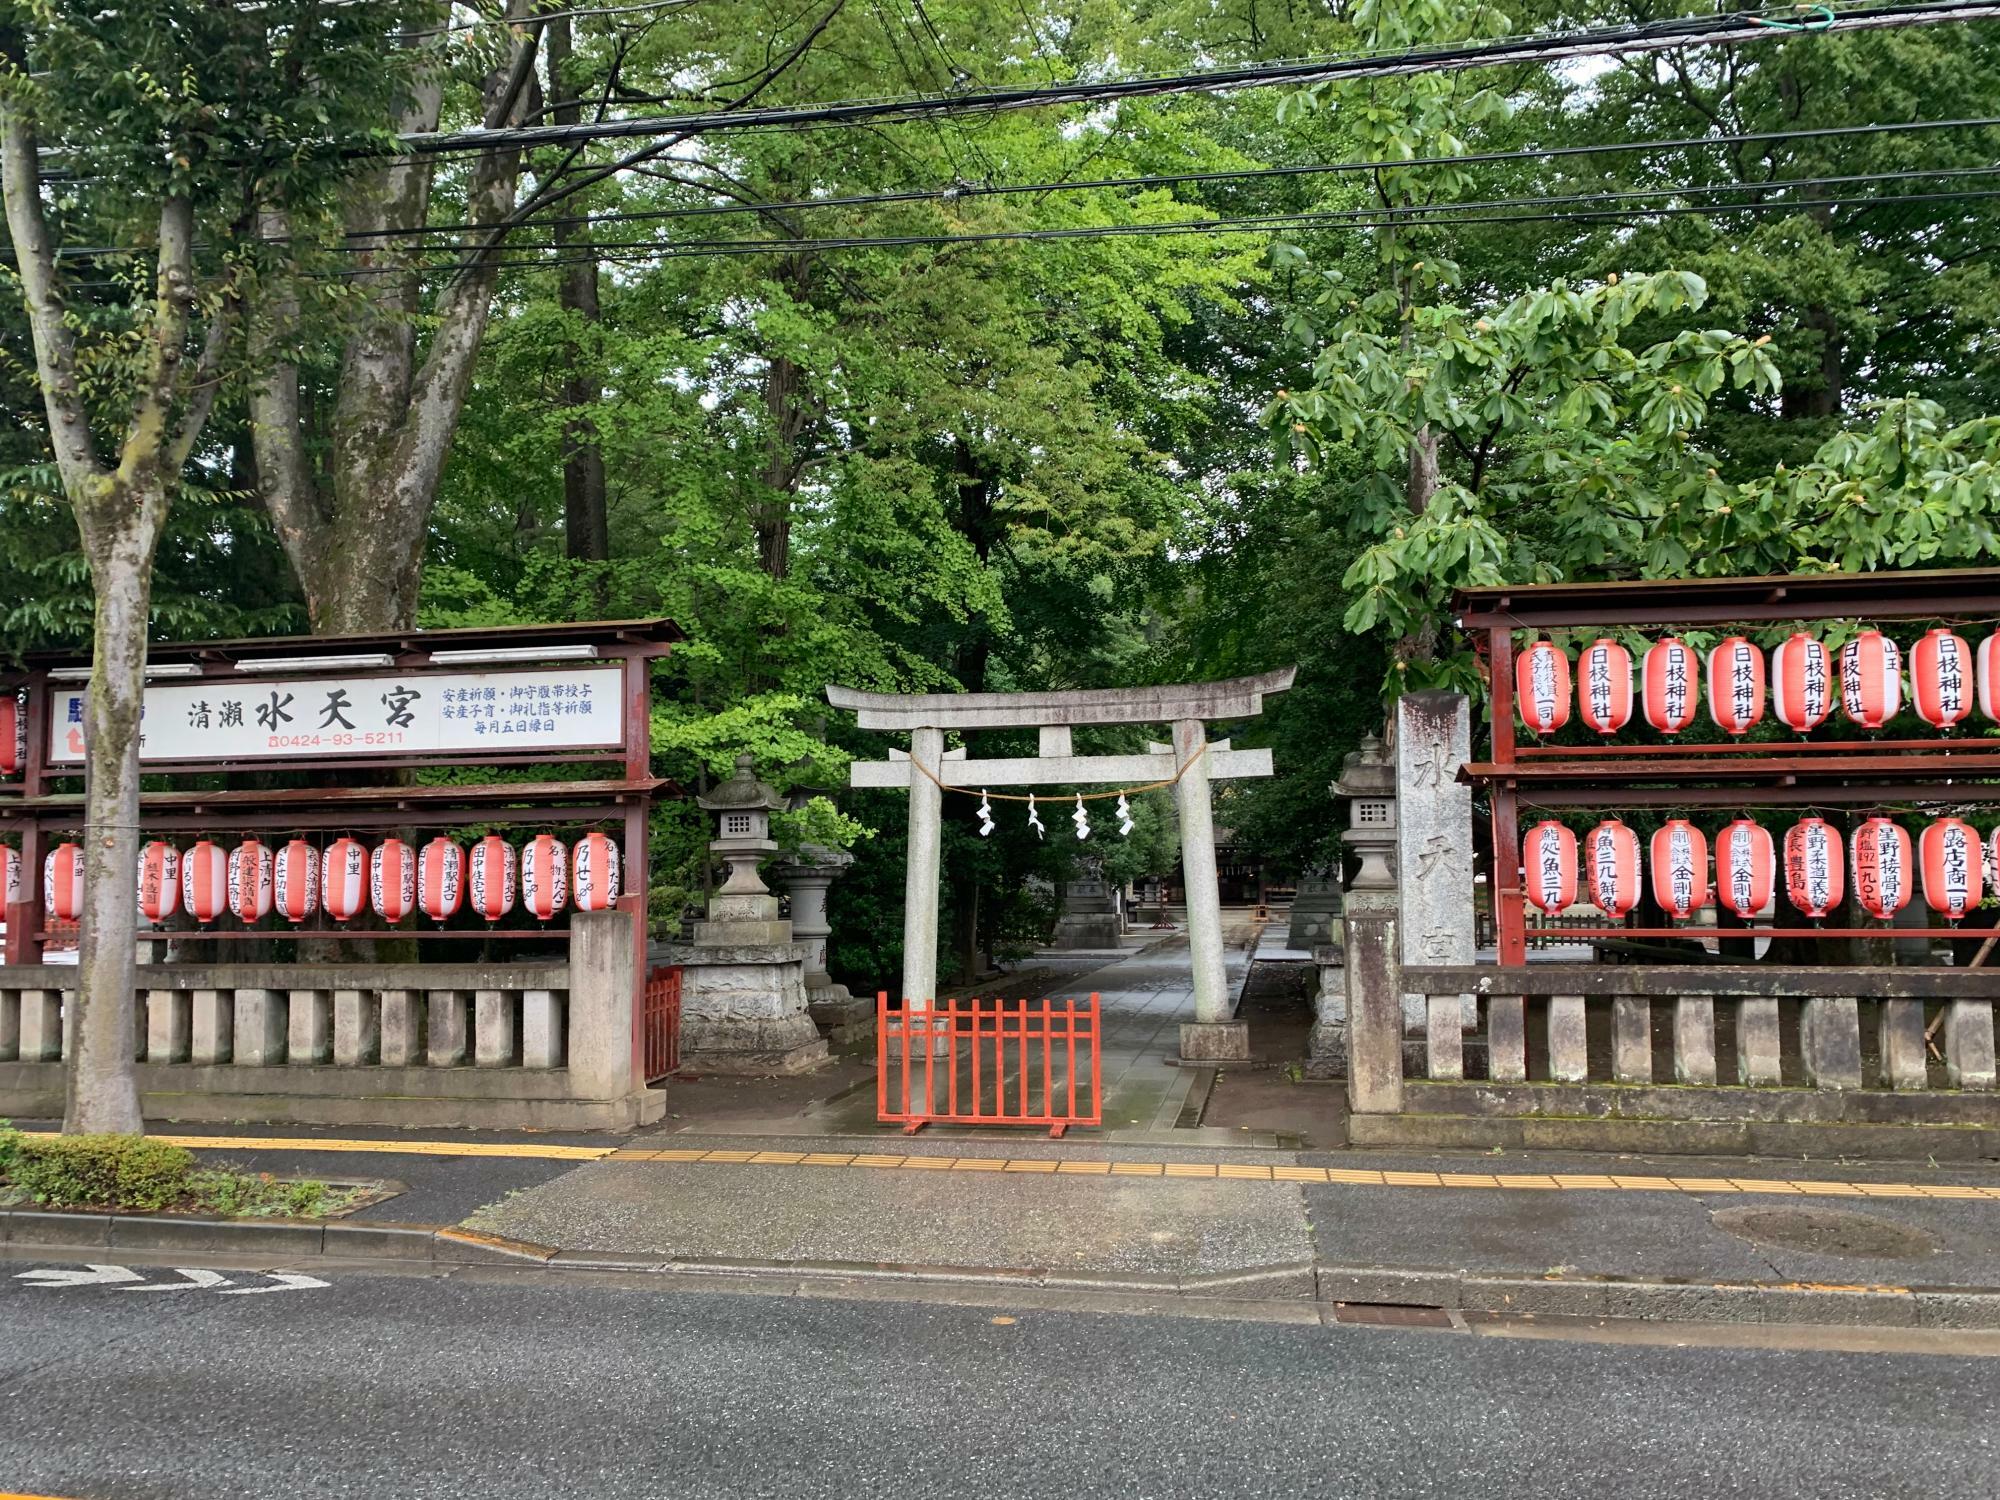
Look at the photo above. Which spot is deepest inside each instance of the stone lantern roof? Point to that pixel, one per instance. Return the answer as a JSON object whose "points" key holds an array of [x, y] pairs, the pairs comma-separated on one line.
{"points": [[743, 792]]}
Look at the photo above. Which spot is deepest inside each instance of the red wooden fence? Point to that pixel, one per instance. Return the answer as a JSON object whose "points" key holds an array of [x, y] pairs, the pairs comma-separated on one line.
{"points": [[988, 1062]]}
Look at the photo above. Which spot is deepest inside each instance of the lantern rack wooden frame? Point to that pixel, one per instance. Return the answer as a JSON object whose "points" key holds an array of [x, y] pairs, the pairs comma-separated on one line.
{"points": [[1950, 769], [40, 804]]}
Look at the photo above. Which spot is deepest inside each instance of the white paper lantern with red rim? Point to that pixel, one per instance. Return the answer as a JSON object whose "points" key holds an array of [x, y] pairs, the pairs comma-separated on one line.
{"points": [[490, 884], [392, 880], [1541, 687], [1604, 686], [1881, 868], [1611, 865], [1988, 673], [1950, 857], [1871, 679], [594, 872], [10, 873], [205, 880], [1548, 866], [251, 879], [295, 881], [1746, 868], [62, 882], [1801, 683], [1672, 683], [343, 879], [1813, 877], [1735, 685], [440, 879], [1941, 678], [13, 733], [1678, 857], [544, 876], [159, 880]]}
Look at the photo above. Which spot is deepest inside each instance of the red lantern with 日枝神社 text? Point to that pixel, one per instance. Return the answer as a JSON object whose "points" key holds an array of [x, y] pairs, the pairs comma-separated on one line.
{"points": [[1950, 857], [1881, 857], [1871, 679], [1678, 861], [1604, 686], [1801, 683], [1941, 678], [1671, 685], [1813, 877], [392, 880], [1745, 868], [1548, 866], [1611, 866], [1541, 687], [1735, 685]]}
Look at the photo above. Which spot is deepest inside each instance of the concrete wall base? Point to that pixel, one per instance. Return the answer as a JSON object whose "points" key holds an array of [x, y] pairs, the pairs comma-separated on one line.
{"points": [[1215, 1041], [415, 1097]]}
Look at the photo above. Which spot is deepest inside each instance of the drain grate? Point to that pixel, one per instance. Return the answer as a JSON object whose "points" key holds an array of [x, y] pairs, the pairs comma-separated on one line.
{"points": [[1391, 1315]]}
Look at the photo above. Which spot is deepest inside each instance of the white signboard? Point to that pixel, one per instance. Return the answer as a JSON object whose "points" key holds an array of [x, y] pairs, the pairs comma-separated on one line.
{"points": [[414, 713]]}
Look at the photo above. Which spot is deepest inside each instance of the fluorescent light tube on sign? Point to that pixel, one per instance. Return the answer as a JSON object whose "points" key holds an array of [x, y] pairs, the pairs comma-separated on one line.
{"points": [[486, 656], [317, 663]]}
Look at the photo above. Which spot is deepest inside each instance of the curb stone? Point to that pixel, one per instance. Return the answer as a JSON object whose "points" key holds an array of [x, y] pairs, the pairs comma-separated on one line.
{"points": [[1645, 1298]]}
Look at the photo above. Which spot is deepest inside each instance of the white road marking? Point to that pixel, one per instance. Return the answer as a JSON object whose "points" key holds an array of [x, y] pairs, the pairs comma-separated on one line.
{"points": [[196, 1281], [288, 1281], [89, 1276]]}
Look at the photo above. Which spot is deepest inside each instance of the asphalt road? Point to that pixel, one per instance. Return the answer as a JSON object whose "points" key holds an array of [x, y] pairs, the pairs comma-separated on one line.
{"points": [[383, 1385]]}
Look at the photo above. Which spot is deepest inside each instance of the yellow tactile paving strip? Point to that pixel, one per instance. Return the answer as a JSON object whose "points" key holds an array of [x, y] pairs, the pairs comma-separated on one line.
{"points": [[1054, 1166]]}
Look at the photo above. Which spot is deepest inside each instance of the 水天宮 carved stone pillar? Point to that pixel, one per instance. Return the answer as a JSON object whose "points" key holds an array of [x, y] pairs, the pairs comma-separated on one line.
{"points": [[1434, 841]]}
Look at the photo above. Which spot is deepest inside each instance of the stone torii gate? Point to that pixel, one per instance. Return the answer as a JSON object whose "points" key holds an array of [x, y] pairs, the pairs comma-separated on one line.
{"points": [[1190, 763]]}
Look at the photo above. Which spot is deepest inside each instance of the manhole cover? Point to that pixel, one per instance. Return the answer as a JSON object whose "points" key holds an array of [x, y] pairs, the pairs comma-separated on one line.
{"points": [[1825, 1231]]}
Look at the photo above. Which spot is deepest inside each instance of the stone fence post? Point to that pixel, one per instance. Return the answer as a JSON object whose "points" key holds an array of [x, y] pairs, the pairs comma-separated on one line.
{"points": [[1374, 1002], [603, 978]]}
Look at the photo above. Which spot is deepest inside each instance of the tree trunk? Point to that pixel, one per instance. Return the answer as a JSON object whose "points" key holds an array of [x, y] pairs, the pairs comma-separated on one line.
{"points": [[1819, 398], [586, 520]]}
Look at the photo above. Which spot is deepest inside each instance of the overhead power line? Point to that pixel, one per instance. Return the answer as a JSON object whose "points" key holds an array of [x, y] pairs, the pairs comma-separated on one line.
{"points": [[1650, 36]]}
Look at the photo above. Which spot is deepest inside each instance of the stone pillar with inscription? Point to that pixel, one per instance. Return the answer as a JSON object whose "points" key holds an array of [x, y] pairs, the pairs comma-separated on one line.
{"points": [[1434, 844]]}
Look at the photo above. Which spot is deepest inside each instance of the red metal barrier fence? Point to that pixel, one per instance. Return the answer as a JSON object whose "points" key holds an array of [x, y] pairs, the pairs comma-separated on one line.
{"points": [[660, 1031], [988, 1062]]}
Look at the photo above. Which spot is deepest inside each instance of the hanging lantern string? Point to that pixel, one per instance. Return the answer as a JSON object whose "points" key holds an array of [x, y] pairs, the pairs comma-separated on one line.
{"points": [[1130, 791]]}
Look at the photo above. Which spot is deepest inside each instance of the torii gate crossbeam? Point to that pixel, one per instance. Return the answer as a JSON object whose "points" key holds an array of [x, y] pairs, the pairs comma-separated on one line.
{"points": [[1191, 762]]}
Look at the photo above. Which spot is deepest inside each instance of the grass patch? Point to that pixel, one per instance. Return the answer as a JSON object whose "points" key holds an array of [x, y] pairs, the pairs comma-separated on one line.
{"points": [[133, 1174]]}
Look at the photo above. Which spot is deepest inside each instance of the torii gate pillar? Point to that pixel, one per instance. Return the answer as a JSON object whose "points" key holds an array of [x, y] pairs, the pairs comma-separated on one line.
{"points": [[1192, 762]]}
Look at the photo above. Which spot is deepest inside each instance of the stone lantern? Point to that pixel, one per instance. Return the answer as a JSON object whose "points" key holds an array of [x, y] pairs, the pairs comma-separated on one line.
{"points": [[1368, 783], [743, 910]]}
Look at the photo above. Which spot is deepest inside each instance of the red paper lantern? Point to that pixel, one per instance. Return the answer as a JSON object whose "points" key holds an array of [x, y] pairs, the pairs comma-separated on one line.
{"points": [[1735, 685], [594, 872], [1611, 862], [440, 879], [392, 880], [1548, 861], [1871, 681], [205, 881], [1951, 856], [62, 882], [1801, 683], [1941, 678], [1679, 860], [1541, 687], [1746, 868], [13, 734], [1604, 686], [544, 876], [1881, 868], [1993, 861], [10, 873], [1813, 877], [295, 881], [1989, 676], [250, 881], [159, 880], [1672, 685], [343, 879], [493, 877]]}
